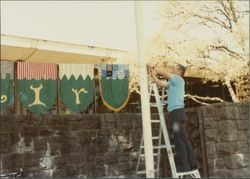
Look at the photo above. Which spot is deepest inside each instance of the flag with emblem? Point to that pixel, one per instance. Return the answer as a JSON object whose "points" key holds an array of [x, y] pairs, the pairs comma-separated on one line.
{"points": [[114, 79], [76, 85], [7, 89], [37, 85]]}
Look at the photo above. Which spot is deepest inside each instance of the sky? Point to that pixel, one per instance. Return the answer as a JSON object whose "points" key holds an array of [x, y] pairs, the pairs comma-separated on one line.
{"points": [[107, 24]]}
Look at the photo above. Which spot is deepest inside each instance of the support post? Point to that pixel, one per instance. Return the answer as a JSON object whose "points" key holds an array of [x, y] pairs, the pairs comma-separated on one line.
{"points": [[145, 106]]}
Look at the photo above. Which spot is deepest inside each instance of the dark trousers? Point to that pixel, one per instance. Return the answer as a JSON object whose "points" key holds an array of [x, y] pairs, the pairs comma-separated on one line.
{"points": [[185, 155]]}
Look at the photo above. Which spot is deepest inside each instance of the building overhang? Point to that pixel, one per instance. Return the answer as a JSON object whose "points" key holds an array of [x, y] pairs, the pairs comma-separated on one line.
{"points": [[36, 50]]}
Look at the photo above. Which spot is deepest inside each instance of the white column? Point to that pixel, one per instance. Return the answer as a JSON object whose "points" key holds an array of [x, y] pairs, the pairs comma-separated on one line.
{"points": [[146, 117]]}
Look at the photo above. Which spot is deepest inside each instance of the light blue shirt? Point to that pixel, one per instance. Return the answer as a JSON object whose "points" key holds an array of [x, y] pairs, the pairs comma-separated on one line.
{"points": [[176, 90]]}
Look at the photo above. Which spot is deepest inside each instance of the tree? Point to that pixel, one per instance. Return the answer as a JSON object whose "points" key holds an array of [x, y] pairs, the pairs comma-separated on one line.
{"points": [[210, 37]]}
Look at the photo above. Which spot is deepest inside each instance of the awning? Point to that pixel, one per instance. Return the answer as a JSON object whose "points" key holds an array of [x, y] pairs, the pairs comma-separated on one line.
{"points": [[36, 50]]}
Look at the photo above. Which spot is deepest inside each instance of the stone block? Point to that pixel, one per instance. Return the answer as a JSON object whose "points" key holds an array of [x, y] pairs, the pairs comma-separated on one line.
{"points": [[90, 123], [229, 113], [243, 147], [110, 158], [75, 159], [123, 139], [6, 161], [244, 109], [208, 111], [219, 163], [32, 159], [18, 160], [60, 172], [29, 131], [98, 171], [244, 116], [242, 124], [5, 143], [242, 135], [15, 137], [85, 137], [71, 170], [136, 124], [211, 167], [241, 173], [60, 161], [210, 124], [124, 123], [123, 157], [5, 127], [45, 131], [226, 148], [211, 134], [227, 130], [40, 144], [211, 149], [99, 160], [237, 161], [222, 173]]}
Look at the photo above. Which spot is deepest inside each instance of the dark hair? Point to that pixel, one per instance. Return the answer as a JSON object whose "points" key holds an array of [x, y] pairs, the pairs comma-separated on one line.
{"points": [[182, 68]]}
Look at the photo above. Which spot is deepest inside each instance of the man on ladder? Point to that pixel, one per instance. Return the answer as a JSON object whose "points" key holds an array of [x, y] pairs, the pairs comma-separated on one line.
{"points": [[176, 86]]}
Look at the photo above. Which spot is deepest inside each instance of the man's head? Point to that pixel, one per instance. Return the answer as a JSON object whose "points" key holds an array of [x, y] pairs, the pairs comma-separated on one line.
{"points": [[179, 70]]}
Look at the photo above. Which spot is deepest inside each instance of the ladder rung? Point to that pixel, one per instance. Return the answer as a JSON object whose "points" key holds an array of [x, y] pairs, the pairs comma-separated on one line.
{"points": [[141, 172], [160, 147], [154, 155], [155, 121], [144, 171], [194, 172], [155, 104], [157, 147], [155, 138]]}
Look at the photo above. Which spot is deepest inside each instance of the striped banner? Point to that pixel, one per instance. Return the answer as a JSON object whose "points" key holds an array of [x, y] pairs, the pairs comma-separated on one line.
{"points": [[37, 71], [37, 85]]}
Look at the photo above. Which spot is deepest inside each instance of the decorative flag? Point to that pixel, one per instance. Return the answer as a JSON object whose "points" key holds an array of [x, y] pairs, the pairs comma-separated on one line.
{"points": [[76, 85], [37, 85], [7, 90], [114, 85]]}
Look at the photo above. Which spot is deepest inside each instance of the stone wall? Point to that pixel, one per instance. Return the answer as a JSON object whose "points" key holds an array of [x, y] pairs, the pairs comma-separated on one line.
{"points": [[79, 145], [226, 131], [92, 145]]}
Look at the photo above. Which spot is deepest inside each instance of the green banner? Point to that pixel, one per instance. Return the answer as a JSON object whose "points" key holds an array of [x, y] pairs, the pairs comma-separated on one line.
{"points": [[37, 86], [77, 85], [114, 80], [6, 83]]}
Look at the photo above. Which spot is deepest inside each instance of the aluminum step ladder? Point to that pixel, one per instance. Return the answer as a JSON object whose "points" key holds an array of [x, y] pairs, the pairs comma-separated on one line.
{"points": [[157, 144]]}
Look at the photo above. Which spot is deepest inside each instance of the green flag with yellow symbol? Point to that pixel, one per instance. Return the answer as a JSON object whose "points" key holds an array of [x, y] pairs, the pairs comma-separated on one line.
{"points": [[76, 85]]}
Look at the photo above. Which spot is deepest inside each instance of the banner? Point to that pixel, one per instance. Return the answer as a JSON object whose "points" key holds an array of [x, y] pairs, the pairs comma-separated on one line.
{"points": [[7, 89], [37, 85], [114, 81], [76, 85]]}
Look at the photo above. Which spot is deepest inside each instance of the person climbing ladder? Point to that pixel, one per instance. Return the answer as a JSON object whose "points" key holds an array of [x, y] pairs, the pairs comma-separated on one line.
{"points": [[187, 160]]}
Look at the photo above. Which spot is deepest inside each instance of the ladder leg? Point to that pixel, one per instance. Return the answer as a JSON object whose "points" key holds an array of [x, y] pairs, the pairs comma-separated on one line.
{"points": [[162, 133], [165, 133], [139, 157], [159, 153]]}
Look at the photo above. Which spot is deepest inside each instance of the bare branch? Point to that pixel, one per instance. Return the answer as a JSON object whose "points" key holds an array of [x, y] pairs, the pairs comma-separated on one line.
{"points": [[233, 11]]}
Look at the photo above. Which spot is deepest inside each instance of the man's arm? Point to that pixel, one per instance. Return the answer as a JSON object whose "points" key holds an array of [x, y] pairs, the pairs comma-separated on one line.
{"points": [[163, 73], [161, 83]]}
